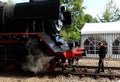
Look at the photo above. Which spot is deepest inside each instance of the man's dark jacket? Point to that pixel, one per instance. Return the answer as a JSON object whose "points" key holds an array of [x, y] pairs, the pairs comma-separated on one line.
{"points": [[102, 52]]}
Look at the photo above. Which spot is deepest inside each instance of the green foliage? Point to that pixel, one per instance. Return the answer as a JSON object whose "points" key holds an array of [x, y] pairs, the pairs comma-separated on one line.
{"points": [[64, 34], [78, 19], [88, 18], [94, 20], [111, 13]]}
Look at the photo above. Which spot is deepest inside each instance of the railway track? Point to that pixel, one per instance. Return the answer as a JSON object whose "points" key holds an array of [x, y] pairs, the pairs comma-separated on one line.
{"points": [[85, 71], [93, 67], [82, 71]]}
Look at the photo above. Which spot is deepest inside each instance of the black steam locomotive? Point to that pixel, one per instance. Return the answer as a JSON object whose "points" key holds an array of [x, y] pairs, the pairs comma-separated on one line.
{"points": [[29, 36]]}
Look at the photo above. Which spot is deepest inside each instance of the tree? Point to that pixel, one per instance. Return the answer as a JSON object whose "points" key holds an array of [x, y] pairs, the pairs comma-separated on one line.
{"points": [[88, 18], [94, 20], [111, 13], [78, 19]]}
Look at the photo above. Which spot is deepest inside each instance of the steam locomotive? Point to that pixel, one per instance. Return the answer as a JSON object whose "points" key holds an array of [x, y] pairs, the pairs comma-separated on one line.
{"points": [[29, 36]]}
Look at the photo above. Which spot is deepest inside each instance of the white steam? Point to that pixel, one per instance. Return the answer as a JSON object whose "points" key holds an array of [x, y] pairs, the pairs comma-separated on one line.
{"points": [[36, 60]]}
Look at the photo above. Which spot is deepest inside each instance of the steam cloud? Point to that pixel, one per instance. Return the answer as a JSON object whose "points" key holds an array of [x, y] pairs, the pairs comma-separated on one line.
{"points": [[36, 60]]}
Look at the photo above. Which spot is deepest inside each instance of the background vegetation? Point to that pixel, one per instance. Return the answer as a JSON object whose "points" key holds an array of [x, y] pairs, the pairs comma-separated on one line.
{"points": [[111, 13]]}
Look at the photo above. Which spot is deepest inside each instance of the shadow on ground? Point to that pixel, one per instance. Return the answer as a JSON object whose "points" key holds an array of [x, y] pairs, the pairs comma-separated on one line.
{"points": [[19, 73]]}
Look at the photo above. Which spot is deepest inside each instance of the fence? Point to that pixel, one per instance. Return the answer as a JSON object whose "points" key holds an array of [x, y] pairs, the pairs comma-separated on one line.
{"points": [[111, 41]]}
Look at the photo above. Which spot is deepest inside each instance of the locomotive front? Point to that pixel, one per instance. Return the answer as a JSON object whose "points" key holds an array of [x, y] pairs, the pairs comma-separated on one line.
{"points": [[29, 35]]}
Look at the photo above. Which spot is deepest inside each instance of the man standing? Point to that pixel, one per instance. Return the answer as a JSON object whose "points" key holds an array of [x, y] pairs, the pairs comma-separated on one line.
{"points": [[102, 54]]}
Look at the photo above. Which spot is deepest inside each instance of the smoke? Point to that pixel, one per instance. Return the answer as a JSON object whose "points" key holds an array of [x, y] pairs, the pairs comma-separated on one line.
{"points": [[36, 61]]}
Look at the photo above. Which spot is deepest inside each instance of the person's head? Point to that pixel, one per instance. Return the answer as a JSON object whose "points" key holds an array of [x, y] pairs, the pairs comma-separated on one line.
{"points": [[101, 44]]}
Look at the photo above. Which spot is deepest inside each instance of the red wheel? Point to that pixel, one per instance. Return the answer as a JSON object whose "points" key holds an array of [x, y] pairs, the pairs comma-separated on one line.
{"points": [[8, 67], [50, 67]]}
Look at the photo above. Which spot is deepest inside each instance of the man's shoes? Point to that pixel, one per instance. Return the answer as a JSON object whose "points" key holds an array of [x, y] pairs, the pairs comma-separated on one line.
{"points": [[97, 72], [102, 71]]}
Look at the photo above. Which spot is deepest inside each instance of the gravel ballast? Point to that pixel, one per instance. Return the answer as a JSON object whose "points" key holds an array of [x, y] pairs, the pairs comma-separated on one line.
{"points": [[61, 78]]}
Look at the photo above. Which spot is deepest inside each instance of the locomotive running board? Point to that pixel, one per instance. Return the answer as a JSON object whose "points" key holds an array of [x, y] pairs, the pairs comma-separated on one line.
{"points": [[45, 38]]}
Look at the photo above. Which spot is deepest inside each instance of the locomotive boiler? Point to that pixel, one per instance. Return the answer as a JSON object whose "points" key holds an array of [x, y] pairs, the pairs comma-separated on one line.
{"points": [[29, 36]]}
